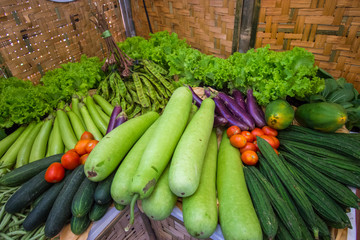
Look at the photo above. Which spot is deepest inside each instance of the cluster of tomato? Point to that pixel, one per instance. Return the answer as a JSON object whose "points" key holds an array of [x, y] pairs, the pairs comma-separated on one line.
{"points": [[246, 141], [72, 158]]}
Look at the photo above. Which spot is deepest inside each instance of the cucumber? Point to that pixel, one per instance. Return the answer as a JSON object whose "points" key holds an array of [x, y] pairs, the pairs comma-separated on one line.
{"points": [[161, 201], [109, 152], [83, 199], [262, 205], [78, 225], [237, 215], [120, 187], [89, 123], [6, 142], [283, 233], [105, 105], [56, 144], [66, 131], [9, 158], [161, 147], [102, 192], [99, 122], [200, 209], [24, 152], [98, 211], [24, 173], [60, 213], [41, 211], [28, 192], [76, 123], [38, 150], [188, 158]]}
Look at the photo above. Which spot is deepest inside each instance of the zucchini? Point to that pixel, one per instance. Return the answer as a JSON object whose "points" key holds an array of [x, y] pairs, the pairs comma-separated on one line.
{"points": [[28, 192], [262, 205], [99, 122], [6, 142], [66, 130], [105, 105], [78, 225], [89, 123], [75, 107], [334, 189], [76, 123], [38, 150], [102, 192], [282, 209], [83, 199], [60, 212], [24, 173], [300, 199], [56, 144], [98, 211], [41, 211]]}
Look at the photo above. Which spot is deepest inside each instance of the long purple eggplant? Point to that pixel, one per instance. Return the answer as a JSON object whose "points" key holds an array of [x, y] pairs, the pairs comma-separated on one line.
{"points": [[120, 119], [226, 114], [236, 110], [220, 121], [115, 112], [196, 98], [239, 98], [254, 109]]}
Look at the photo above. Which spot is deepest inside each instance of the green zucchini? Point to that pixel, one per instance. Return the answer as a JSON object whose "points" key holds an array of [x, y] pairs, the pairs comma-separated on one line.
{"points": [[103, 115], [75, 107], [83, 199], [188, 158], [41, 211], [262, 205], [60, 213], [99, 122], [300, 199], [28, 192], [238, 219], [78, 225], [76, 123], [6, 142], [282, 209], [89, 123], [24, 173], [66, 130], [105, 105], [38, 150], [200, 209], [56, 144], [102, 193], [98, 211]]}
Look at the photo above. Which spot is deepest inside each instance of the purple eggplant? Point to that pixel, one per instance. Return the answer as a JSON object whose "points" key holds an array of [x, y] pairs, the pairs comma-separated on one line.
{"points": [[236, 110], [229, 117], [254, 109], [239, 98], [207, 92], [220, 121], [120, 119], [196, 98], [115, 112]]}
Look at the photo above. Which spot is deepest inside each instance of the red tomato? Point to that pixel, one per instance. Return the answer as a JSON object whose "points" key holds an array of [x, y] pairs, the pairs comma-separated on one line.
{"points": [[83, 158], [87, 135], [90, 146], [269, 131], [256, 145], [249, 157], [249, 146], [70, 160], [269, 139], [276, 141], [249, 137], [257, 132], [238, 140], [80, 146], [54, 173], [232, 131]]}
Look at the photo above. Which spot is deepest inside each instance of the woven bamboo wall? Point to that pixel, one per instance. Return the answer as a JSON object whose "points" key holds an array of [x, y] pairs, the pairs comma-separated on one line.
{"points": [[39, 35], [330, 29], [207, 25]]}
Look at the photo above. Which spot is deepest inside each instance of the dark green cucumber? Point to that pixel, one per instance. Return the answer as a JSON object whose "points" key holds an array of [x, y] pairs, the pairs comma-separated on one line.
{"points": [[339, 192], [298, 195], [20, 175], [338, 174], [41, 211], [282, 209], [283, 233], [28, 192], [323, 228], [60, 213], [262, 205], [98, 211], [271, 175], [84, 198], [78, 225], [102, 193]]}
